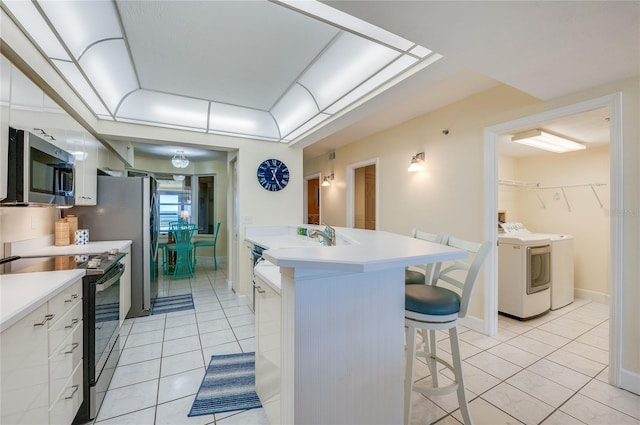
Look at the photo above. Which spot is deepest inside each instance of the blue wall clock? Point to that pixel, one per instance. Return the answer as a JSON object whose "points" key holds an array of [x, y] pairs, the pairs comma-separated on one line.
{"points": [[273, 175]]}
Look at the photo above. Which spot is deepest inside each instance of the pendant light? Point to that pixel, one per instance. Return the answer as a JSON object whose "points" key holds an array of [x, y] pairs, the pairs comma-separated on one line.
{"points": [[179, 160]]}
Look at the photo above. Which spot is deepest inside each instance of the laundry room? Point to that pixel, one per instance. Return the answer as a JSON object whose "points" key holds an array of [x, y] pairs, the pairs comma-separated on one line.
{"points": [[559, 200]]}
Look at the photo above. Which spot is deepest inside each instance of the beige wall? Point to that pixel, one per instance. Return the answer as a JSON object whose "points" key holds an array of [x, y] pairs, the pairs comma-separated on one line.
{"points": [[587, 221], [448, 194], [19, 223]]}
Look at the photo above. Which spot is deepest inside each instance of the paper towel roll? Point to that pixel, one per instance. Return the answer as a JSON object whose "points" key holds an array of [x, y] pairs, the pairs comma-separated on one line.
{"points": [[81, 237]]}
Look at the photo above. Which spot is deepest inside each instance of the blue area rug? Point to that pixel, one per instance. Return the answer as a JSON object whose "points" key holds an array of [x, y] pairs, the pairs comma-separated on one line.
{"points": [[228, 384], [171, 304]]}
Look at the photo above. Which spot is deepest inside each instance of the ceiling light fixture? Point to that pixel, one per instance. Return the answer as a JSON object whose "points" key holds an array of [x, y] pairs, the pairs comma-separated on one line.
{"points": [[179, 160], [415, 162], [549, 142], [178, 177], [326, 181]]}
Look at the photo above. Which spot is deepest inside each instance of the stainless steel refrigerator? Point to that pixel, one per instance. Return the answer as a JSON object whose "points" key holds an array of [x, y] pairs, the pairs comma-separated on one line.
{"points": [[127, 209]]}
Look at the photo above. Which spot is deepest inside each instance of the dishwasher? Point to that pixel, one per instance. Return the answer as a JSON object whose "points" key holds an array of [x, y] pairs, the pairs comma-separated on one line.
{"points": [[255, 256]]}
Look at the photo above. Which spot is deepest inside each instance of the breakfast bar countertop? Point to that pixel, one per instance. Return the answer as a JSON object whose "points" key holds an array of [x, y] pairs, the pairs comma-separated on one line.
{"points": [[357, 250]]}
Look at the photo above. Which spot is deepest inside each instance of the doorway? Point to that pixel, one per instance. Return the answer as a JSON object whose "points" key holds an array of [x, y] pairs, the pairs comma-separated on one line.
{"points": [[362, 195], [312, 199], [613, 103]]}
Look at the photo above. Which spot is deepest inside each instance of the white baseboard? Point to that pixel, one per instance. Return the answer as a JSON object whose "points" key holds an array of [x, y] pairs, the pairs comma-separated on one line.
{"points": [[474, 323], [594, 296], [630, 381]]}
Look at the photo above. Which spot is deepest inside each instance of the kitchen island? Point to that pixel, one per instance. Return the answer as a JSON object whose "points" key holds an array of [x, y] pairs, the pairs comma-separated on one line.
{"points": [[340, 330]]}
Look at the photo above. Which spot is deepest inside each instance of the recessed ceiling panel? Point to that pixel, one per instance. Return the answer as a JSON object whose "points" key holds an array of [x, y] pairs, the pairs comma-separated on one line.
{"points": [[242, 121], [162, 108], [221, 50], [82, 23], [108, 66], [347, 63]]}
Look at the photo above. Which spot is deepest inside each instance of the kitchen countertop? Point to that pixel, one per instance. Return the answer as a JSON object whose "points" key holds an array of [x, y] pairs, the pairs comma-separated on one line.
{"points": [[20, 294], [90, 248], [357, 251]]}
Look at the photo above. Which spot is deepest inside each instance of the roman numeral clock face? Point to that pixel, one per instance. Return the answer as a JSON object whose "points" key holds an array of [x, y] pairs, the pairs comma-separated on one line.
{"points": [[273, 175]]}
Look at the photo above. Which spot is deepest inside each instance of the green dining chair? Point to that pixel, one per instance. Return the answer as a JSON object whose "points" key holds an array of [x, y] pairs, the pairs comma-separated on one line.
{"points": [[207, 242], [183, 250]]}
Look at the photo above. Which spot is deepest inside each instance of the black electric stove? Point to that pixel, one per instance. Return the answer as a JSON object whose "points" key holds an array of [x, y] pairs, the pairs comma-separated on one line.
{"points": [[94, 264]]}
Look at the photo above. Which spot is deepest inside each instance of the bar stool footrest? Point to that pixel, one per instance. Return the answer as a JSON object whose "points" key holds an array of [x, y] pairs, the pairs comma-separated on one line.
{"points": [[432, 391]]}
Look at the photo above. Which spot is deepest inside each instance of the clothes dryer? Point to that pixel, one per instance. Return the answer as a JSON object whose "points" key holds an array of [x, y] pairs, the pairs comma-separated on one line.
{"points": [[524, 274]]}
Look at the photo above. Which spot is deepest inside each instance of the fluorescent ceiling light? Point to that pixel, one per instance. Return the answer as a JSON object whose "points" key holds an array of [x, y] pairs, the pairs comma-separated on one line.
{"points": [[296, 107], [348, 62], [546, 141], [108, 65], [77, 81], [82, 23], [26, 13], [86, 42]]}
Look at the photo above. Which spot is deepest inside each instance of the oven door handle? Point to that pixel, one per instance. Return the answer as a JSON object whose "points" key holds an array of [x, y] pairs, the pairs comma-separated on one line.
{"points": [[112, 278]]}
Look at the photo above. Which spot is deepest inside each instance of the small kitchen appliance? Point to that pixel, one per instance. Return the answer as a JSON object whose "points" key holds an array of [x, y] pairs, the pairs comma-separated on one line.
{"points": [[37, 172]]}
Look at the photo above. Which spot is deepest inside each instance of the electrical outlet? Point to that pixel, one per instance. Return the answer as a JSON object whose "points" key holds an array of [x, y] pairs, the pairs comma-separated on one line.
{"points": [[247, 219]]}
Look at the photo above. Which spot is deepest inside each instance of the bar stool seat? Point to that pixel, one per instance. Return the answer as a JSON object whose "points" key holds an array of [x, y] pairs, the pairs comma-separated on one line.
{"points": [[431, 307], [432, 300]]}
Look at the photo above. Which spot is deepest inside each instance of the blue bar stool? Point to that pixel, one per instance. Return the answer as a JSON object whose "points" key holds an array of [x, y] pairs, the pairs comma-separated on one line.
{"points": [[435, 307]]}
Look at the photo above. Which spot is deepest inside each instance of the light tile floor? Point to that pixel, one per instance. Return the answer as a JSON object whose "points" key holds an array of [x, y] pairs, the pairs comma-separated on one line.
{"points": [[549, 370]]}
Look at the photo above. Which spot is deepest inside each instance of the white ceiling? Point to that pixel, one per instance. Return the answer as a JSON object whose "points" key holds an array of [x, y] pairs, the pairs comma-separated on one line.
{"points": [[229, 51]]}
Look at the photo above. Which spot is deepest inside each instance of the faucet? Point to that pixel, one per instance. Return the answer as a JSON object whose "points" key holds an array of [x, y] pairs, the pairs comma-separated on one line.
{"points": [[328, 235]]}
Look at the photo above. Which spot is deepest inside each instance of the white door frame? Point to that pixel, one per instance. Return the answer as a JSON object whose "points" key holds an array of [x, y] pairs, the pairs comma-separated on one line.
{"points": [[305, 197], [234, 256], [614, 103], [351, 183]]}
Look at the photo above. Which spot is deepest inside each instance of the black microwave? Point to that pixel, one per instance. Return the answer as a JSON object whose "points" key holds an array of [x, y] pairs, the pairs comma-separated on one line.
{"points": [[38, 172]]}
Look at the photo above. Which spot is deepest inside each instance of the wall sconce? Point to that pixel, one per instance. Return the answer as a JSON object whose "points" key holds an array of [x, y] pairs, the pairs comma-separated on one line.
{"points": [[415, 162], [326, 181]]}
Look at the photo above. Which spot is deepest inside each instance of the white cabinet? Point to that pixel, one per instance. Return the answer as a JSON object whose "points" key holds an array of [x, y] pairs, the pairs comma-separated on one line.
{"points": [[24, 370], [125, 286], [41, 363], [86, 153], [268, 348]]}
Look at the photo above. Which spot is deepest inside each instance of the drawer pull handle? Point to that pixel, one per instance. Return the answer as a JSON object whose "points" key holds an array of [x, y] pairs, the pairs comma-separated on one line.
{"points": [[75, 390], [73, 297], [45, 320], [260, 290], [72, 324], [73, 347]]}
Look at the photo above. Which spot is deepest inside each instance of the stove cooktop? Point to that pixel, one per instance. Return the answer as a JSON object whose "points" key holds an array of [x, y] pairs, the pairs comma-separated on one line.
{"points": [[92, 263]]}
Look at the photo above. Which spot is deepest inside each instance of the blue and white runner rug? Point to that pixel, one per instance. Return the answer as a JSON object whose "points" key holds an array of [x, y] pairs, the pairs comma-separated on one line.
{"points": [[171, 304], [228, 384]]}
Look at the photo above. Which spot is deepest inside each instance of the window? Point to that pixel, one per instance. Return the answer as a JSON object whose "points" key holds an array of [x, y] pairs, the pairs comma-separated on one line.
{"points": [[175, 202], [174, 199]]}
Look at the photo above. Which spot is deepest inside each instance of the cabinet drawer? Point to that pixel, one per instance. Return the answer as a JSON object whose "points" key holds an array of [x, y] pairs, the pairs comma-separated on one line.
{"points": [[24, 370], [63, 362], [64, 326], [64, 301], [64, 409]]}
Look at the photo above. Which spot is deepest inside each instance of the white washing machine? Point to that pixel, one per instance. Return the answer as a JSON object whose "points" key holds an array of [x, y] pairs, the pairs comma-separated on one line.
{"points": [[524, 272], [562, 266]]}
